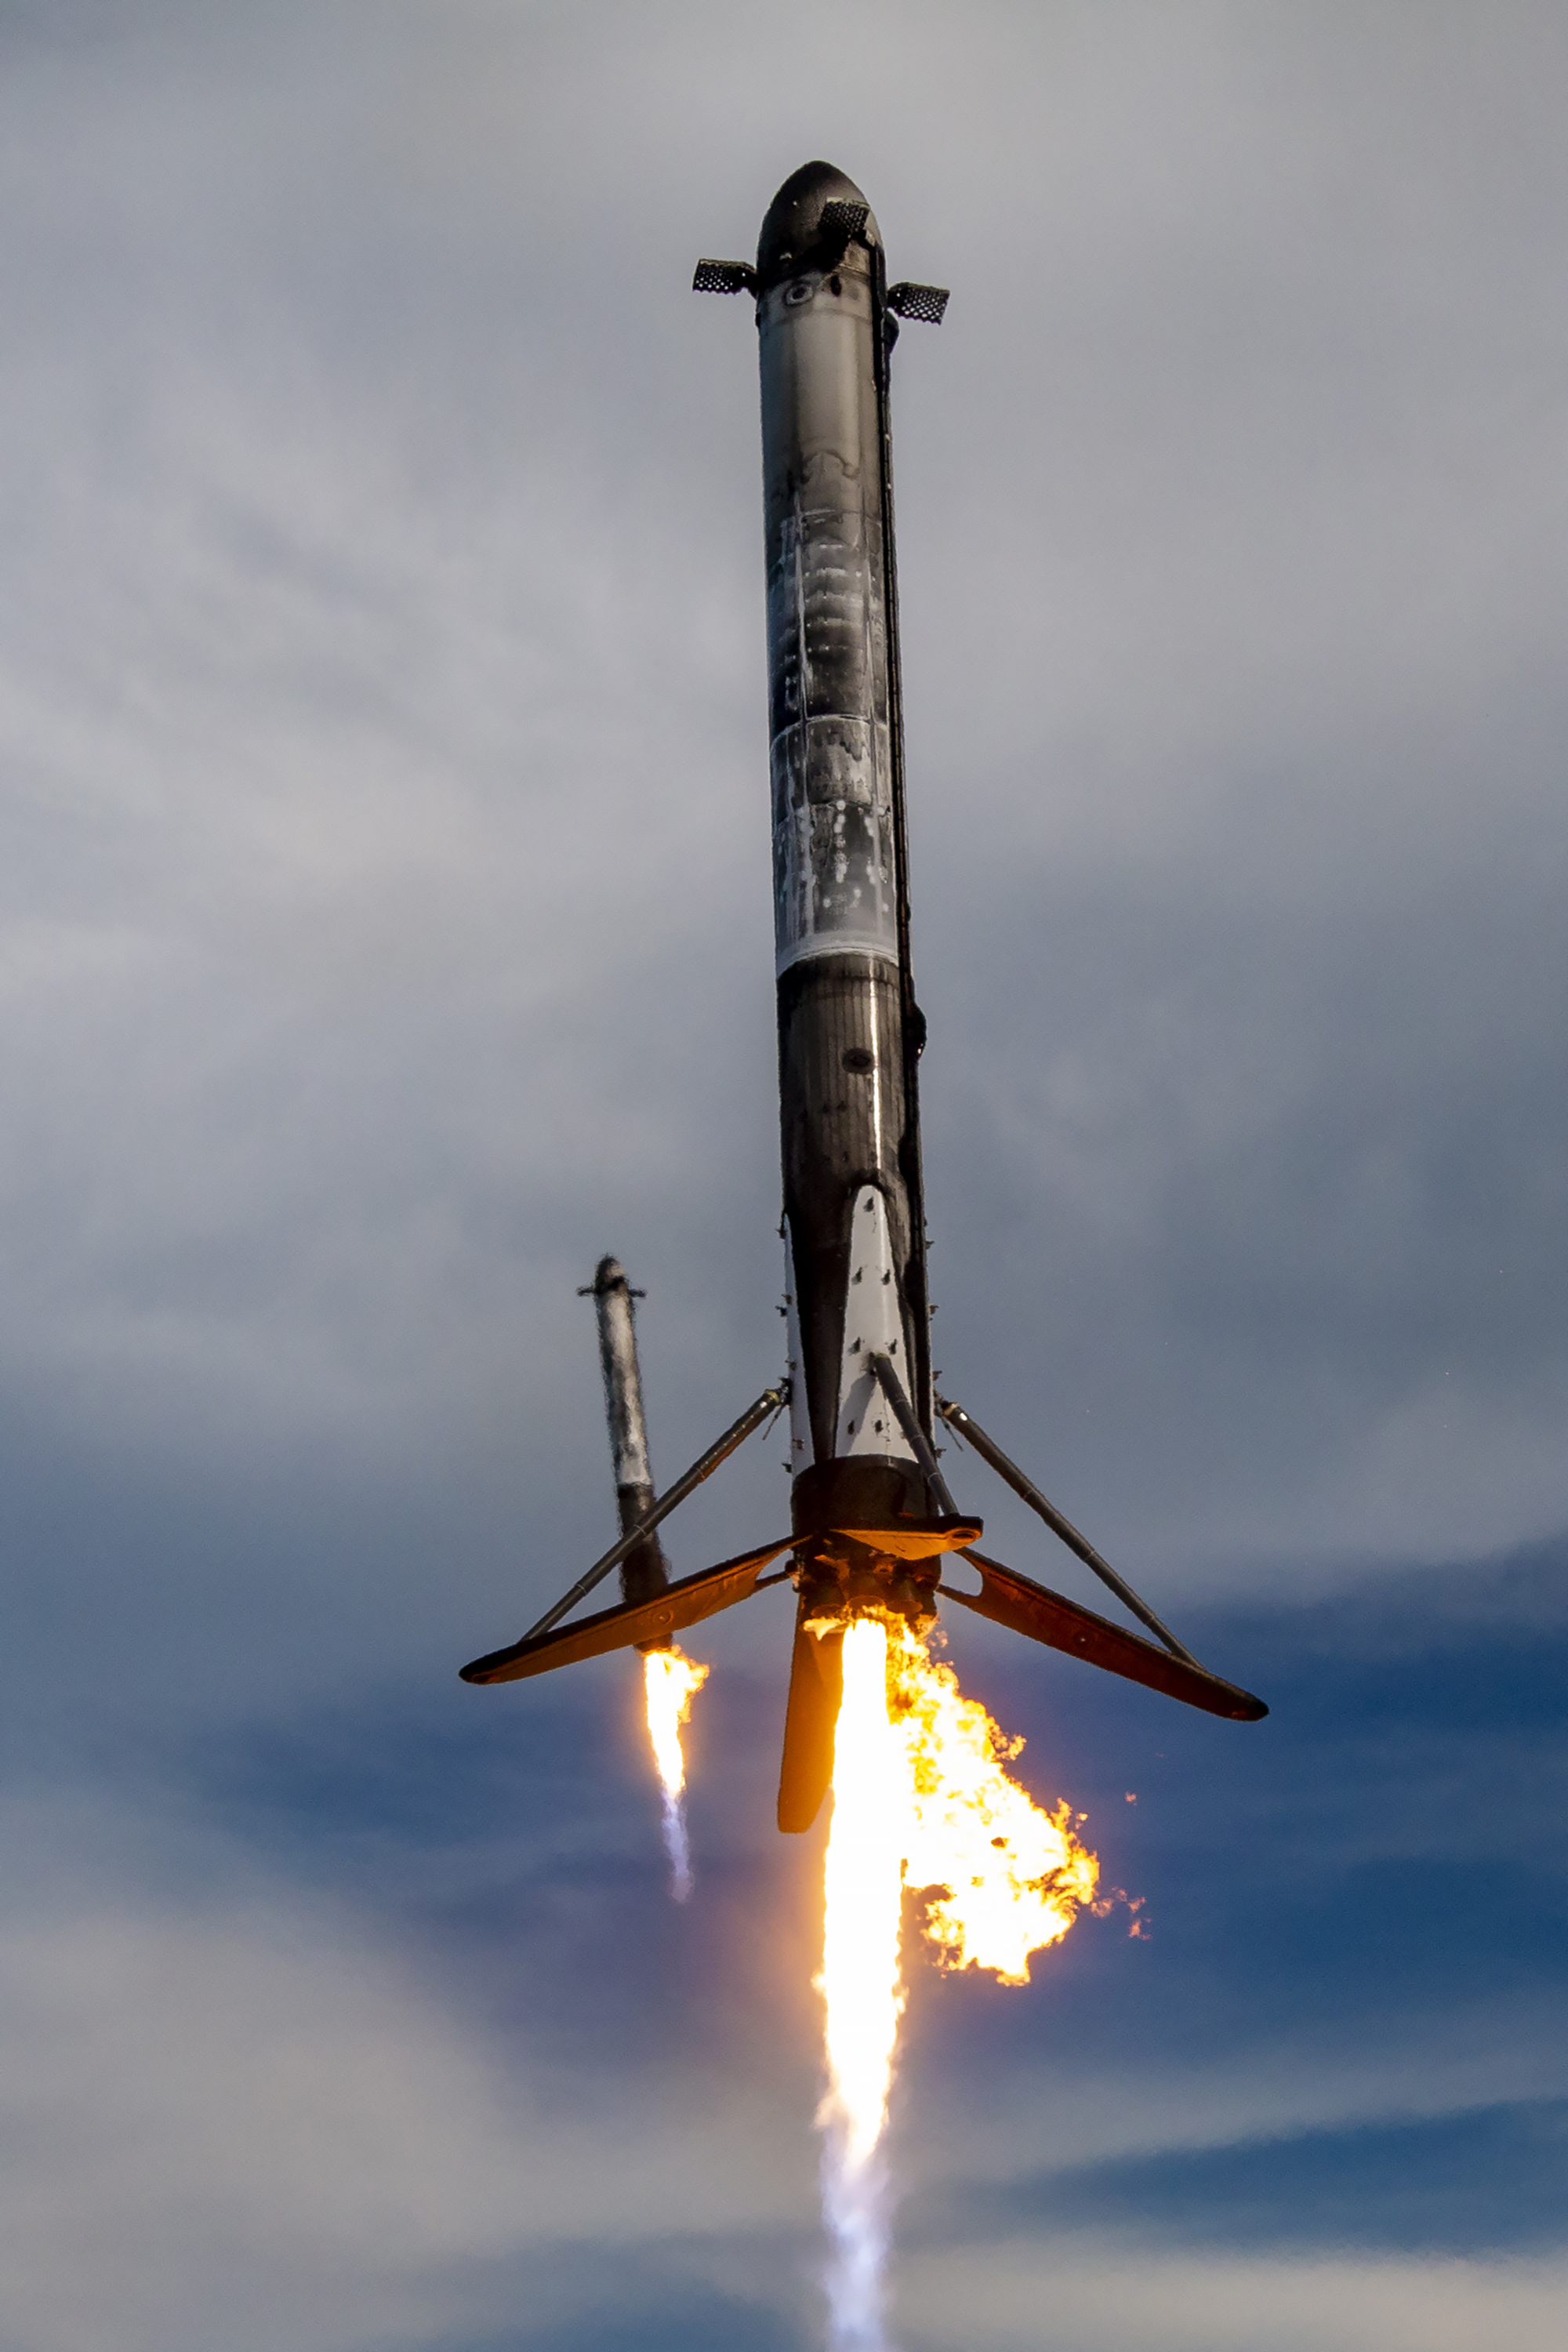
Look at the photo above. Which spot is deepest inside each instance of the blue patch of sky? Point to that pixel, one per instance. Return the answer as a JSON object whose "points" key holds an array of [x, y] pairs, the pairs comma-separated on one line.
{"points": [[1385, 1854]]}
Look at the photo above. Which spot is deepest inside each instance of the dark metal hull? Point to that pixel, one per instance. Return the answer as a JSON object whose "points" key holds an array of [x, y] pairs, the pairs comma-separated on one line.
{"points": [[871, 1515], [849, 1030]]}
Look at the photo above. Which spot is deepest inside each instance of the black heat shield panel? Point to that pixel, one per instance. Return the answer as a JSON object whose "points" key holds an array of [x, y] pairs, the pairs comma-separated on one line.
{"points": [[1027, 1608], [649, 1622]]}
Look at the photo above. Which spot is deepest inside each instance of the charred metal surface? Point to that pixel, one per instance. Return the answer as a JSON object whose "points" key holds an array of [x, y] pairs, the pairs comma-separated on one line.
{"points": [[845, 1124], [644, 1570], [849, 1032], [838, 1581], [857, 1493], [1027, 1608]]}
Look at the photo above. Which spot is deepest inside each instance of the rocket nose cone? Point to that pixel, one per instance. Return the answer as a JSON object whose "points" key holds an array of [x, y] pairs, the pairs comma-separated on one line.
{"points": [[793, 230]]}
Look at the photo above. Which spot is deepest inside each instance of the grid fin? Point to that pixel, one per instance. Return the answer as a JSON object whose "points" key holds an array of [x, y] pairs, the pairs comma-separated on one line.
{"points": [[841, 218], [724, 278], [927, 302]]}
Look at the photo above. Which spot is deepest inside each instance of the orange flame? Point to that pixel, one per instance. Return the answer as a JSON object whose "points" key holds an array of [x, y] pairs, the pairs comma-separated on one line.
{"points": [[1008, 1879], [922, 1803], [859, 1982], [671, 1681]]}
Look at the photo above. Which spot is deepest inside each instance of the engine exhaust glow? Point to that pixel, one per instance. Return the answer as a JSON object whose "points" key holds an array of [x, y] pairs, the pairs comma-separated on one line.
{"points": [[671, 1681], [860, 1984], [922, 1805]]}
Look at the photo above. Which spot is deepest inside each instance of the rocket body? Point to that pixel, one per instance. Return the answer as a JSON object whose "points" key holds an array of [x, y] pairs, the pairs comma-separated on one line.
{"points": [[643, 1571], [871, 1515], [848, 1027]]}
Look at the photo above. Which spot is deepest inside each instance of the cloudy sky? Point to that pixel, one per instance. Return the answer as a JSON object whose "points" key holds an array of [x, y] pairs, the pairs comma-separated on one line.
{"points": [[385, 933]]}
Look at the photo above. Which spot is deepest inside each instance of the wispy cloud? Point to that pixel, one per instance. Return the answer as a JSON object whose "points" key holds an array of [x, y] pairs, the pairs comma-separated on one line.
{"points": [[1090, 2297]]}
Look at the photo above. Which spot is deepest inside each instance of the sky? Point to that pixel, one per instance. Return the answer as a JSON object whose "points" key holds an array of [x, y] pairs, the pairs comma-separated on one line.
{"points": [[385, 934]]}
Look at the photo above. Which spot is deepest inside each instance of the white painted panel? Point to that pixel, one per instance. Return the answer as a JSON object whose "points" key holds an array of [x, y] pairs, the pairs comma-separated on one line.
{"points": [[872, 1326]]}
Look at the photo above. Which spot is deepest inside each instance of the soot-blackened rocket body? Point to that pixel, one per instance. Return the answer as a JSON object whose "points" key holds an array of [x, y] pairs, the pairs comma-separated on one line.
{"points": [[871, 1517], [849, 1030]]}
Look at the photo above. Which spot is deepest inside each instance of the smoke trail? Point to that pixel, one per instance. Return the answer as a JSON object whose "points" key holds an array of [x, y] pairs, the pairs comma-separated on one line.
{"points": [[671, 1681]]}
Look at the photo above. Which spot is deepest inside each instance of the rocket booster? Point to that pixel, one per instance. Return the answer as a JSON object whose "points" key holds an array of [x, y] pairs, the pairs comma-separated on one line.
{"points": [[849, 1028], [643, 1570], [869, 1510], [871, 1519]]}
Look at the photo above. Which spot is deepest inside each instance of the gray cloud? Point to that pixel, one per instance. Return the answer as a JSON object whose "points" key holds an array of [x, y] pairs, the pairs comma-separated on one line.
{"points": [[384, 933], [1092, 2296], [384, 679]]}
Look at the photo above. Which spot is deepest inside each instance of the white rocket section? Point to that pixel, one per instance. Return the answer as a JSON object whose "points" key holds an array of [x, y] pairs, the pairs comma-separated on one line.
{"points": [[872, 1327], [799, 1408]]}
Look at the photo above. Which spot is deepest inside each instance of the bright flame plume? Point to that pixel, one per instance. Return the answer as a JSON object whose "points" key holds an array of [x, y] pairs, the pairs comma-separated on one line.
{"points": [[859, 1983], [1004, 1879], [671, 1681], [922, 1803]]}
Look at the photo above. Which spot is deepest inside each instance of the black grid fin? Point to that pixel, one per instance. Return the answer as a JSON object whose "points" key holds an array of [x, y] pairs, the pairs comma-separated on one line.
{"points": [[724, 278], [840, 219], [927, 302]]}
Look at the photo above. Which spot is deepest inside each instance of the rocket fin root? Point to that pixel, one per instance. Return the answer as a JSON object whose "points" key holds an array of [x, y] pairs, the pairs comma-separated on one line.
{"points": [[815, 1687], [1027, 1608], [648, 1623]]}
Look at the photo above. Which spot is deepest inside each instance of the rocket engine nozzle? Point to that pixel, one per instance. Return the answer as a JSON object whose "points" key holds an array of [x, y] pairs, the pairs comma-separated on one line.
{"points": [[851, 1580], [842, 1577]]}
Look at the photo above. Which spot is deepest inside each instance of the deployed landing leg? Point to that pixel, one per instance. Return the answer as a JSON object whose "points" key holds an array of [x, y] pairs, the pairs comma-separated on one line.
{"points": [[1024, 1607], [664, 1611], [989, 1451]]}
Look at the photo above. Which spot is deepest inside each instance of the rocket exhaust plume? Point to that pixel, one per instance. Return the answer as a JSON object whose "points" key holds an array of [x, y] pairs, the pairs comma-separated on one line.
{"points": [[921, 1803], [672, 1680], [860, 1987]]}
